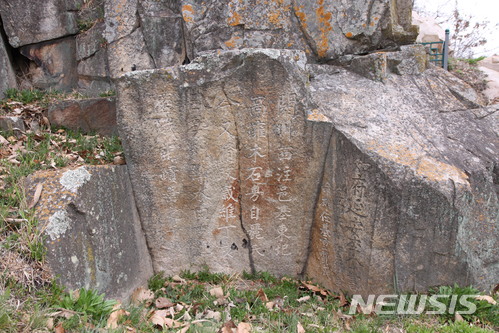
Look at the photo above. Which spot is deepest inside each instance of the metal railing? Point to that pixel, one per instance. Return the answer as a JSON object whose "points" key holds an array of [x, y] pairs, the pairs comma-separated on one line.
{"points": [[440, 56]]}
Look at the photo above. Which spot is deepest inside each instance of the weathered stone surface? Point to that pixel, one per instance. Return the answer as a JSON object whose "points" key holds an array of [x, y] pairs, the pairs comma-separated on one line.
{"points": [[221, 157], [325, 28], [128, 54], [7, 75], [94, 238], [232, 24], [409, 191], [95, 66], [88, 115], [12, 124], [93, 74], [56, 64], [120, 19], [386, 181], [29, 22], [163, 28], [89, 42]]}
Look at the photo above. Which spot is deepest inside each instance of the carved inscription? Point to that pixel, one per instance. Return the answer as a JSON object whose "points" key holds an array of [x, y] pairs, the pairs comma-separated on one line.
{"points": [[352, 222]]}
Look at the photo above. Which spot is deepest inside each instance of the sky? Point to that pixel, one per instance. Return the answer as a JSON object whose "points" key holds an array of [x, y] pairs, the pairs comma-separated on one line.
{"points": [[481, 10]]}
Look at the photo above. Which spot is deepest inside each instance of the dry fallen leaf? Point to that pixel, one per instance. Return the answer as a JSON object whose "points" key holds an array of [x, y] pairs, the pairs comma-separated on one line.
{"points": [[228, 327], [64, 313], [495, 290], [178, 279], [217, 292], [458, 317], [36, 197], [486, 298], [269, 305], [112, 321], [3, 140], [185, 329], [142, 295], [50, 324], [217, 316], [119, 160], [303, 299], [59, 328], [262, 296], [163, 302], [158, 318], [343, 300], [316, 289], [243, 328], [299, 328]]}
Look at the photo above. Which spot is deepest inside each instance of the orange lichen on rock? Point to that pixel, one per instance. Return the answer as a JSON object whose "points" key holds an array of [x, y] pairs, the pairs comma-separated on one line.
{"points": [[232, 43], [325, 27], [234, 19], [302, 17], [274, 18], [188, 13], [349, 35], [421, 163]]}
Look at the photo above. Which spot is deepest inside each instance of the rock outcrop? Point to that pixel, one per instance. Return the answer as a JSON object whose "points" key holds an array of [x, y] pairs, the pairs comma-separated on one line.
{"points": [[254, 160], [7, 75], [93, 234], [31, 22], [89, 115], [80, 44], [248, 150]]}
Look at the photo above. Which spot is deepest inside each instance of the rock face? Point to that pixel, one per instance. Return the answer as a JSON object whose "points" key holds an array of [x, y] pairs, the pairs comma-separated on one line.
{"points": [[92, 228], [7, 75], [84, 44], [56, 63], [239, 162], [229, 157], [29, 22], [411, 195], [324, 28], [89, 115]]}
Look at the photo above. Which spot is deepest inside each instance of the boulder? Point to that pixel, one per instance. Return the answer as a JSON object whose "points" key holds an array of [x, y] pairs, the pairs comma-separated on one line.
{"points": [[93, 233], [149, 34], [90, 42], [224, 165], [252, 160], [128, 54], [30, 22], [7, 74], [88, 115], [12, 124], [55, 64], [410, 186], [326, 28], [163, 28]]}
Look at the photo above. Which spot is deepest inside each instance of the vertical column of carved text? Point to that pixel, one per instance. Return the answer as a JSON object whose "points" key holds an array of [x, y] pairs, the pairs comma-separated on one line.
{"points": [[352, 223], [325, 217], [257, 174], [229, 214], [284, 173]]}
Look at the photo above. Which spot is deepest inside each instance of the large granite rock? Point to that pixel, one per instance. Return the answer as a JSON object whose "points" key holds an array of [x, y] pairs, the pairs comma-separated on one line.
{"points": [[7, 74], [56, 65], [93, 233], [87, 115], [409, 192], [29, 22], [239, 162], [221, 158], [325, 28], [163, 29]]}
